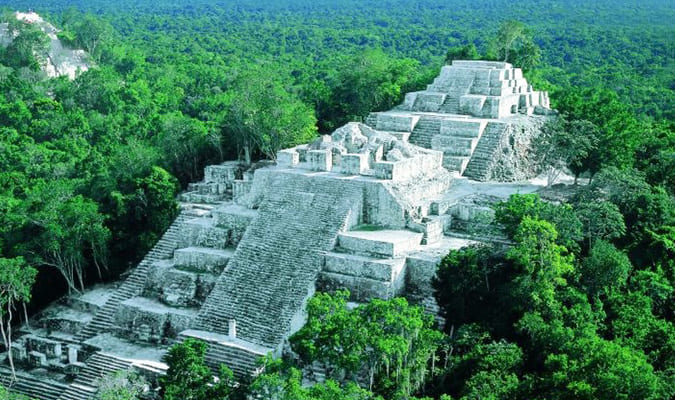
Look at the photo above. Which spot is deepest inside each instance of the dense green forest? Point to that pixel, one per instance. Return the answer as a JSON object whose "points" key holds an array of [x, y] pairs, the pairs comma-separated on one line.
{"points": [[581, 307]]}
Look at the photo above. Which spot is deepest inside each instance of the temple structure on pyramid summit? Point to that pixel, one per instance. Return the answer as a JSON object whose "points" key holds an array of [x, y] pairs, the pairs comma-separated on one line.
{"points": [[372, 208]]}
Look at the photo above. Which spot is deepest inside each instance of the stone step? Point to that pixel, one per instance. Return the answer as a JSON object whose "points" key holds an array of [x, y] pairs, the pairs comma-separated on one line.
{"points": [[202, 259], [397, 122], [383, 243], [35, 387], [455, 163], [468, 128], [364, 277]]}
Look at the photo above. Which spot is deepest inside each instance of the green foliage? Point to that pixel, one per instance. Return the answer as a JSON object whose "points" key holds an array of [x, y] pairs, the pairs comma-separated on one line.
{"points": [[514, 43], [263, 117], [544, 263], [465, 283], [565, 144], [511, 213], [389, 342], [605, 269], [468, 52], [122, 385], [28, 47], [7, 395], [601, 220], [65, 229], [16, 282], [188, 376], [369, 81], [281, 381]]}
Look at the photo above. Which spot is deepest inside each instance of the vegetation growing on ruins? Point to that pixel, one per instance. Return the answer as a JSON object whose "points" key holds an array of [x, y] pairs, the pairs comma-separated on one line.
{"points": [[580, 307]]}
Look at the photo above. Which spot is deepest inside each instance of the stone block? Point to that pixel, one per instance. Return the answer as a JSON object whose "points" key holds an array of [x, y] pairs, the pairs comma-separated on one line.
{"points": [[396, 122], [140, 318], [202, 259], [462, 127], [387, 243], [429, 101], [37, 359], [202, 232], [288, 158], [178, 288], [410, 99], [73, 370], [50, 348], [354, 164], [220, 173], [73, 352], [19, 352], [385, 270], [360, 289], [320, 160], [481, 64], [472, 104]]}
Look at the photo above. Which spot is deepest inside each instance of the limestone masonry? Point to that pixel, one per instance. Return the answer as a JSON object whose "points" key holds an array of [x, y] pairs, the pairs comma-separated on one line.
{"points": [[371, 208]]}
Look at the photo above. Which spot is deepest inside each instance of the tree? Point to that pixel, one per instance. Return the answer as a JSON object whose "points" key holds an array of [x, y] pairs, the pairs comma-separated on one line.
{"points": [[468, 52], [511, 213], [184, 142], [282, 381], [263, 117], [585, 154], [67, 232], [601, 220], [513, 43], [28, 47], [605, 269], [464, 283], [544, 263], [188, 376], [16, 281], [389, 342], [560, 145], [92, 34], [370, 81]]}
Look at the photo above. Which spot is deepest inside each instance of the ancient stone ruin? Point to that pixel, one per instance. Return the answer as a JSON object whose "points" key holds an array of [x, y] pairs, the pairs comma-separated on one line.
{"points": [[371, 208]]}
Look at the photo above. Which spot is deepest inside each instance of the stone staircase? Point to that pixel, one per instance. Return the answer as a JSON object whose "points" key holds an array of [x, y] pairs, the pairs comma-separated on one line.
{"points": [[275, 266], [98, 366], [479, 165], [425, 130], [135, 282], [34, 387]]}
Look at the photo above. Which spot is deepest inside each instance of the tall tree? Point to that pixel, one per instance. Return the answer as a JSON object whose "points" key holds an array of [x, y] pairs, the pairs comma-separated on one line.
{"points": [[16, 281], [513, 43], [263, 117], [68, 232]]}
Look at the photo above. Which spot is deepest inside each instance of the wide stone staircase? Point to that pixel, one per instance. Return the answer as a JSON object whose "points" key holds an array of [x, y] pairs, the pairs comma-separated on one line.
{"points": [[275, 266]]}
